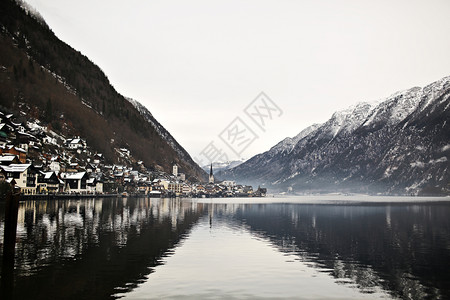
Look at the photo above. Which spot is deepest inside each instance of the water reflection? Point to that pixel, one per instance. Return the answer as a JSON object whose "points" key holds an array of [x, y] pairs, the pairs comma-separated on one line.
{"points": [[90, 248], [139, 248], [403, 248]]}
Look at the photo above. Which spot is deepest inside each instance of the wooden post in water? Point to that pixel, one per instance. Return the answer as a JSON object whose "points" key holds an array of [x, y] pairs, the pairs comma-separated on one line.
{"points": [[9, 245]]}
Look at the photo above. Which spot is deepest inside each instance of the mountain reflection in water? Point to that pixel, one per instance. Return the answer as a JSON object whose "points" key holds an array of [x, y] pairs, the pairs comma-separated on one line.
{"points": [[87, 249], [109, 248], [405, 248]]}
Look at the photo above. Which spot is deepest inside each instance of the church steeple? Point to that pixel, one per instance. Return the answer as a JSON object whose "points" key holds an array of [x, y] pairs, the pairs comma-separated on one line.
{"points": [[211, 176]]}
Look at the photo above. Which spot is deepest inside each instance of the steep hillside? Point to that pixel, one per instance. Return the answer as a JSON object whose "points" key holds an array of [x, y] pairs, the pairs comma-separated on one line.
{"points": [[47, 79], [399, 146]]}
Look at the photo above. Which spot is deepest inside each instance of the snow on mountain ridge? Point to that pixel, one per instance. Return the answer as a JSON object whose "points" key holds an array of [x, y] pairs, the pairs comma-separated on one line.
{"points": [[343, 122], [219, 166], [305, 132], [395, 108], [347, 120], [434, 91], [289, 143]]}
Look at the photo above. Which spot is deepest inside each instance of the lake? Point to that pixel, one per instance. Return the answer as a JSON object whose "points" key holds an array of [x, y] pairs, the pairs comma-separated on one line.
{"points": [[325, 247]]}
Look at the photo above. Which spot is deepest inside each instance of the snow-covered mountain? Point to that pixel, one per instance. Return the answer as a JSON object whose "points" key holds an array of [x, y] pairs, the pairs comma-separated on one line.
{"points": [[288, 144], [221, 166], [399, 145]]}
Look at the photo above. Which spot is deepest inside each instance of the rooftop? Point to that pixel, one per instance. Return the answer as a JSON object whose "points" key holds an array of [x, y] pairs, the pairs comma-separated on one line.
{"points": [[16, 168], [78, 175]]}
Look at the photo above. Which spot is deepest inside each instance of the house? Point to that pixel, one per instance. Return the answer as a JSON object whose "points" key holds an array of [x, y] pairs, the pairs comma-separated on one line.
{"points": [[187, 189], [144, 187], [90, 168], [75, 144], [261, 192], [211, 189], [124, 152], [7, 159], [119, 177], [75, 182], [54, 165], [98, 186], [160, 184], [98, 158], [21, 153], [95, 185], [175, 170], [49, 140], [119, 172], [24, 175], [229, 183], [134, 175], [248, 189], [49, 182], [200, 189], [24, 139], [176, 188]]}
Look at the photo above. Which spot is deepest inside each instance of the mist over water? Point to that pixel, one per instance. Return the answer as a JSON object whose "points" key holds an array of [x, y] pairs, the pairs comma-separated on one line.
{"points": [[235, 248]]}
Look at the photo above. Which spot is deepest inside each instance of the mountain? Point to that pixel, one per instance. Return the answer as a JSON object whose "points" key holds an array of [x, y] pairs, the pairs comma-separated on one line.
{"points": [[399, 146], [288, 144], [220, 166], [162, 132], [42, 77]]}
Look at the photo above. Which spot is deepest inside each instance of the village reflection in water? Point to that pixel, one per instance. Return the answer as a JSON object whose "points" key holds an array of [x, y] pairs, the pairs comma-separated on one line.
{"points": [[98, 248], [87, 248]]}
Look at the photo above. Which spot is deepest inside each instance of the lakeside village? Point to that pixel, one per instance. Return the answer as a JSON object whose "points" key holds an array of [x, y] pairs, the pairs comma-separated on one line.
{"points": [[41, 163]]}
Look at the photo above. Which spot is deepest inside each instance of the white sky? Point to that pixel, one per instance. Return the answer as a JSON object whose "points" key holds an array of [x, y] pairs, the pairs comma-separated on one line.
{"points": [[197, 64]]}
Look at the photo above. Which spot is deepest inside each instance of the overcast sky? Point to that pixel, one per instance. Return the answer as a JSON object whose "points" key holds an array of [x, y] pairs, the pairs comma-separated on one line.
{"points": [[196, 65]]}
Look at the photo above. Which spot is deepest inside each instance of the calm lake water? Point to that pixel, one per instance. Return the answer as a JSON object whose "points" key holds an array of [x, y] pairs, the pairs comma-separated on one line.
{"points": [[272, 248]]}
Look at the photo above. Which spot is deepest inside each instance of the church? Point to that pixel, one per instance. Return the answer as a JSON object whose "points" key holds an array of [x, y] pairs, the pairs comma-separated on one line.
{"points": [[211, 176]]}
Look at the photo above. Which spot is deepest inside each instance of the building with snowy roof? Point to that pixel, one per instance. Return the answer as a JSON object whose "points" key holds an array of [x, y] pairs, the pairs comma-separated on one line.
{"points": [[75, 182], [24, 175]]}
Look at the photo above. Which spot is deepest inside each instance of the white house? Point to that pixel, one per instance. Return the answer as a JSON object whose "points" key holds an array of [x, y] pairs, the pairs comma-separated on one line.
{"points": [[98, 157], [187, 189], [94, 185], [75, 182], [175, 170], [55, 166], [24, 175], [75, 144], [160, 184], [49, 140]]}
